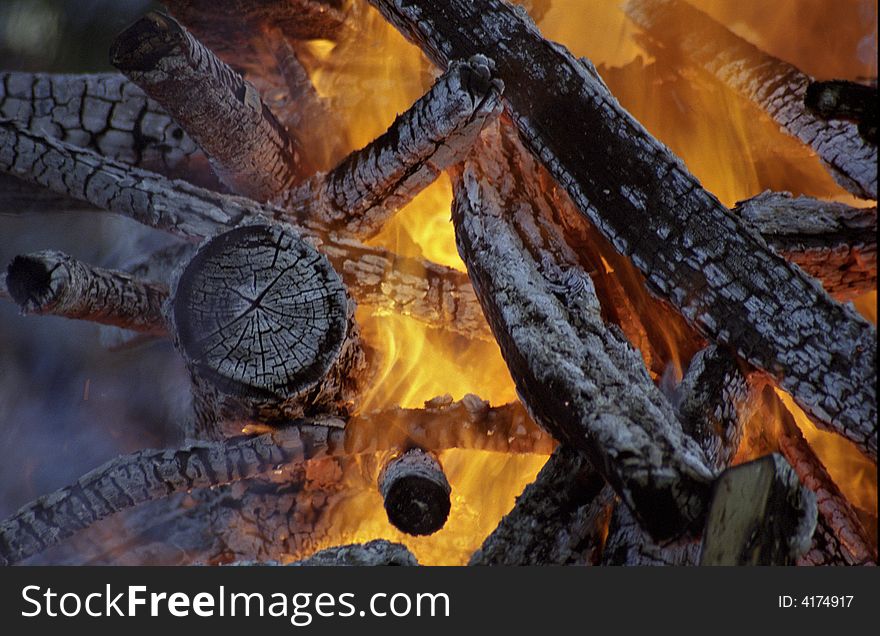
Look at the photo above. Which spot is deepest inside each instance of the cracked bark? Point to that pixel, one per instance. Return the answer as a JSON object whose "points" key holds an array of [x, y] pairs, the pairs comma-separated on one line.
{"points": [[250, 151], [53, 283], [833, 242], [579, 379], [359, 195], [372, 553], [719, 274], [773, 85], [436, 295]]}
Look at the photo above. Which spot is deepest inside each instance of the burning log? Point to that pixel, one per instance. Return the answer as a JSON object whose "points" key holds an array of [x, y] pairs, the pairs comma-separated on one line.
{"points": [[840, 99], [628, 544], [580, 379], [370, 185], [557, 520], [248, 148], [833, 242], [372, 553], [52, 283], [716, 272], [760, 515], [416, 492], [770, 83], [436, 295], [266, 329]]}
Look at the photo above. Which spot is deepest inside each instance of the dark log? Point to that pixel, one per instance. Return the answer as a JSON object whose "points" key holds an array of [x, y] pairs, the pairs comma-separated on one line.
{"points": [[266, 329], [372, 553], [415, 492], [833, 242], [579, 379], [841, 99], [559, 519], [370, 185], [628, 544], [52, 283], [720, 275], [773, 85], [431, 293], [760, 515], [250, 151], [106, 113]]}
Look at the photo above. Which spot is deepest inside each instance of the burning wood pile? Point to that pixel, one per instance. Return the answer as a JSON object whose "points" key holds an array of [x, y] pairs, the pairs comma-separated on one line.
{"points": [[565, 211]]}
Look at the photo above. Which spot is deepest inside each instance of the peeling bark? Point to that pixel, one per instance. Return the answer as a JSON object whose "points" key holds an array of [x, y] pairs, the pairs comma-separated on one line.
{"points": [[719, 274], [773, 85]]}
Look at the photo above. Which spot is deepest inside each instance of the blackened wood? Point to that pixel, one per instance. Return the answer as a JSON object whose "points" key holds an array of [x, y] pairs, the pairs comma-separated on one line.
{"points": [[372, 554], [578, 378], [439, 296], [53, 283], [760, 515], [250, 151], [415, 492], [370, 185], [841, 99], [775, 86], [720, 275], [559, 519], [267, 330], [628, 544], [833, 242]]}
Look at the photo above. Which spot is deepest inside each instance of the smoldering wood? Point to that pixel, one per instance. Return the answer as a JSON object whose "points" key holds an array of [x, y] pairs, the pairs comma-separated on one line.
{"points": [[415, 492], [833, 242], [775, 86], [107, 113], [578, 378], [559, 519], [436, 295], [53, 283], [842, 99], [250, 151], [267, 330], [373, 553], [628, 544], [359, 195], [720, 275], [760, 515]]}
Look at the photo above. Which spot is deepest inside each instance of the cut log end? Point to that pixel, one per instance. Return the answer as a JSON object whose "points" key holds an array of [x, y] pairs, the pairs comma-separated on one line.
{"points": [[145, 43], [29, 283], [416, 493]]}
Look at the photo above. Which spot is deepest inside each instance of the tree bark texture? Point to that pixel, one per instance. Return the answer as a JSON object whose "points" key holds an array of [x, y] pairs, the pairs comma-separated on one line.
{"points": [[719, 274]]}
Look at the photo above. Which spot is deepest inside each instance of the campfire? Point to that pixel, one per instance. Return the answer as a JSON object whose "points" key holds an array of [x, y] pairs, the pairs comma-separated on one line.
{"points": [[617, 352]]}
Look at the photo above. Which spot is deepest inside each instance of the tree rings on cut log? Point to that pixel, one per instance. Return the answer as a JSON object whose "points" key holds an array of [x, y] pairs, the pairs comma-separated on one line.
{"points": [[416, 492], [261, 319]]}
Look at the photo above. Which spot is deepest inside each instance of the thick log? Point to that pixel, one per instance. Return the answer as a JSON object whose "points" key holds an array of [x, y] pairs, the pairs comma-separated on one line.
{"points": [[415, 492], [250, 151], [559, 519], [431, 293], [719, 274], [775, 86], [370, 185], [265, 326], [372, 553], [628, 544], [579, 379], [841, 99], [52, 283], [833, 242], [760, 515]]}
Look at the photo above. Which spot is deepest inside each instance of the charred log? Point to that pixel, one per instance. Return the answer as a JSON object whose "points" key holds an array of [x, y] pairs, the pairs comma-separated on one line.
{"points": [[373, 553], [250, 151], [770, 83], [840, 99], [52, 283], [760, 515], [415, 492], [719, 274], [628, 544]]}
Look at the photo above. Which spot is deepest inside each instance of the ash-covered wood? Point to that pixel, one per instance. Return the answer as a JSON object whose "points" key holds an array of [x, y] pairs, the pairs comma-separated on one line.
{"points": [[773, 85], [841, 99], [373, 553], [370, 185], [267, 330], [578, 378], [694, 253], [760, 515], [53, 283], [250, 151], [833, 242], [559, 519], [415, 492], [628, 544], [439, 296]]}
